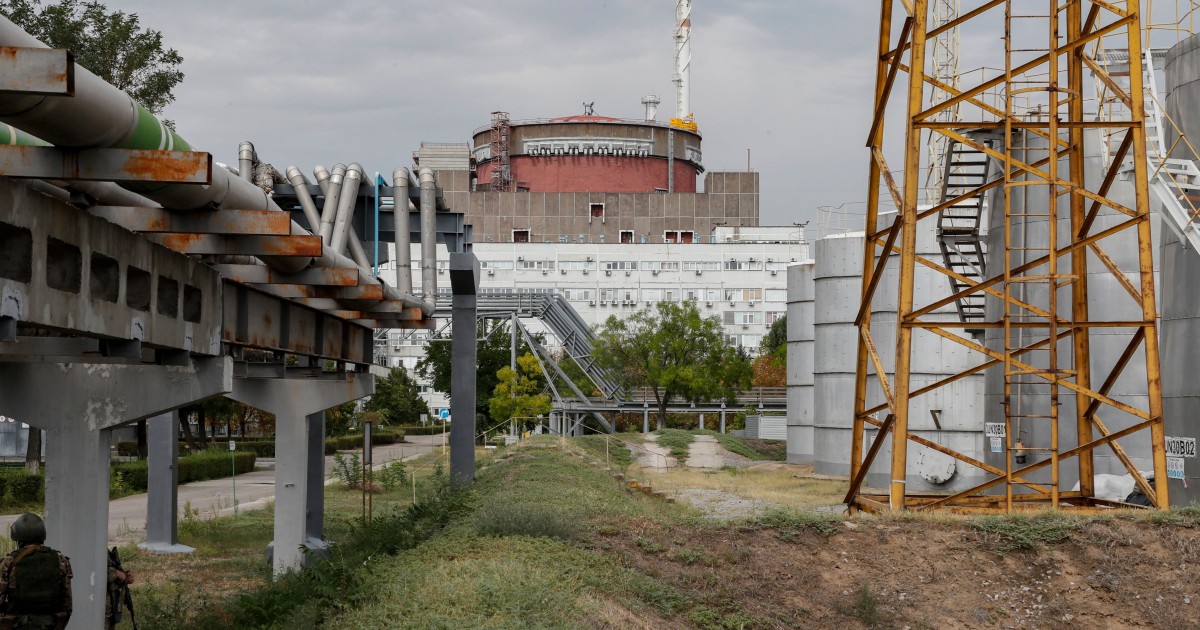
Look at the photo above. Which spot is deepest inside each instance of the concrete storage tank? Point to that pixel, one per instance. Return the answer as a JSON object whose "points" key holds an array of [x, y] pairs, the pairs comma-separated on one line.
{"points": [[950, 416], [837, 274], [1107, 300], [800, 350], [1180, 314]]}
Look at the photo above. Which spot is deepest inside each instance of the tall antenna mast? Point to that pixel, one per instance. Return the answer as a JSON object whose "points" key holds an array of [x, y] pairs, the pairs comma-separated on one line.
{"points": [[683, 57]]}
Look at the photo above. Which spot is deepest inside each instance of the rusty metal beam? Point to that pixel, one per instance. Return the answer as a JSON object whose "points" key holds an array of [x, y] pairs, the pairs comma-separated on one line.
{"points": [[46, 71], [372, 292], [249, 222], [185, 243], [110, 165], [261, 274]]}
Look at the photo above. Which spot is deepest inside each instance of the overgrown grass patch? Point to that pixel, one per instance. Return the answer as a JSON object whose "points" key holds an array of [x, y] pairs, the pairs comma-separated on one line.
{"points": [[750, 448], [606, 449], [788, 524], [463, 581], [1015, 532], [677, 441]]}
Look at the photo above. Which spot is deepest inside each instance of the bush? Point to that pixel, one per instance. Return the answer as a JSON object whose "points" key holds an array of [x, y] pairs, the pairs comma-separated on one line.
{"points": [[23, 487], [348, 470], [392, 475], [127, 449], [428, 429], [211, 464]]}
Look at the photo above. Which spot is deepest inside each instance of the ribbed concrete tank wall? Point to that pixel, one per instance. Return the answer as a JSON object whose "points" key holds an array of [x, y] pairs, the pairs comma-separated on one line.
{"points": [[837, 274], [1180, 323], [800, 349], [1107, 300], [957, 405]]}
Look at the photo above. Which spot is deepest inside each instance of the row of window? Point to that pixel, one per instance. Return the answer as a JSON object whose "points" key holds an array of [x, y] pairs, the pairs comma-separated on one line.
{"points": [[576, 294], [635, 265]]}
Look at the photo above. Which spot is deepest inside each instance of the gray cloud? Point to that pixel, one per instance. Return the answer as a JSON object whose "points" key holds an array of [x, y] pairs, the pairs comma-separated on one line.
{"points": [[363, 80]]}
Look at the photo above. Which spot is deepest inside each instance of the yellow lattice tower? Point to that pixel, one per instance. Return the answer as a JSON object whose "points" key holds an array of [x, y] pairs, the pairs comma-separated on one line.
{"points": [[1034, 98]]}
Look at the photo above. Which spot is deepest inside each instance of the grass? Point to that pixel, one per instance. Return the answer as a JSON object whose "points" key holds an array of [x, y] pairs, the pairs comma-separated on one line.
{"points": [[1016, 532], [677, 440], [775, 484], [789, 523], [751, 448], [617, 454]]}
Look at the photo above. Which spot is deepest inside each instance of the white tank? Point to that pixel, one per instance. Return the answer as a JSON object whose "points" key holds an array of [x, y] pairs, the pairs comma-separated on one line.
{"points": [[1107, 300], [957, 406], [800, 348]]}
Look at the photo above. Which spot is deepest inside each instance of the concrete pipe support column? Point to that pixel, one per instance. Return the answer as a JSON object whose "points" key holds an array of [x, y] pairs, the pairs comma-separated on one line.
{"points": [[294, 402], [162, 492], [89, 400]]}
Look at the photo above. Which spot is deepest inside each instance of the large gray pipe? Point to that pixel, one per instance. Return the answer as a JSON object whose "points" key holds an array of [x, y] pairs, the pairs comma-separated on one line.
{"points": [[428, 235], [306, 201], [322, 176], [345, 208], [329, 211], [246, 161], [400, 211]]}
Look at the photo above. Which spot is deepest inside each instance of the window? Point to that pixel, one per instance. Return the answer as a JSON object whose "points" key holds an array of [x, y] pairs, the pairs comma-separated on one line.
{"points": [[536, 264], [679, 236], [520, 236], [576, 265], [652, 295], [608, 294], [627, 236], [743, 265], [776, 295], [660, 265], [777, 265], [619, 265], [743, 295], [495, 264], [578, 294], [596, 212], [774, 316], [734, 318]]}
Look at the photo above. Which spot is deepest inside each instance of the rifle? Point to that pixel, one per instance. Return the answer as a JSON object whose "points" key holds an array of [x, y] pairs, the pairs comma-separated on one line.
{"points": [[120, 594]]}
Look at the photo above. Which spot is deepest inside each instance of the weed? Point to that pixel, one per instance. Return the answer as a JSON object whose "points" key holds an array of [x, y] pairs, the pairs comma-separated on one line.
{"points": [[865, 607], [348, 470], [693, 556], [522, 519], [649, 545], [392, 475], [789, 523], [1017, 532], [709, 619]]}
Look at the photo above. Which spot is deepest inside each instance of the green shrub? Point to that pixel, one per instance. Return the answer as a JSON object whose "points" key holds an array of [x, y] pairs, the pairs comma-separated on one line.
{"points": [[391, 475], [24, 487], [127, 449], [427, 429], [348, 470]]}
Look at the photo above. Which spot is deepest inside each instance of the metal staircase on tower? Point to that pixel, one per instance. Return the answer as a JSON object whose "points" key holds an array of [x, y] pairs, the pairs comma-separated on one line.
{"points": [[960, 226], [1174, 181]]}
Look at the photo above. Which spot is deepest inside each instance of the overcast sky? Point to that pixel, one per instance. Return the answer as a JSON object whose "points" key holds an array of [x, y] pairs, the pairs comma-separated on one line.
{"points": [[369, 80]]}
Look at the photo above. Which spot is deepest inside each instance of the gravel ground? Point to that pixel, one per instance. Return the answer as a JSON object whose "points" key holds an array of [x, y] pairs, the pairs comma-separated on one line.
{"points": [[719, 505]]}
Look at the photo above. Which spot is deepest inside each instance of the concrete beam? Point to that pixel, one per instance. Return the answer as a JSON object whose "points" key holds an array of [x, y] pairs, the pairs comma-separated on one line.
{"points": [[464, 282], [261, 222], [103, 396], [293, 402]]}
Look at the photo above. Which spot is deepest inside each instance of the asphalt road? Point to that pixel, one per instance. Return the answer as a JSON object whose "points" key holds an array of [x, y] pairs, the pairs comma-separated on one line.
{"points": [[208, 499]]}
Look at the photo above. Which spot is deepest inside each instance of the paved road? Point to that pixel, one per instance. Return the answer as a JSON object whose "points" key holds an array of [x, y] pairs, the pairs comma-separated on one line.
{"points": [[208, 499]]}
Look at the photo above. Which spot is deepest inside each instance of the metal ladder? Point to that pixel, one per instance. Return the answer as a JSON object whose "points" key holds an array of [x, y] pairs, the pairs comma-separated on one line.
{"points": [[1174, 181], [960, 226]]}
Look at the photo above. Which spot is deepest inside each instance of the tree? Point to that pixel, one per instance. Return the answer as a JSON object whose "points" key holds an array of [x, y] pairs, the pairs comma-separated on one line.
{"points": [[775, 343], [520, 393], [338, 419], [675, 352], [492, 352], [770, 367], [398, 398], [113, 45]]}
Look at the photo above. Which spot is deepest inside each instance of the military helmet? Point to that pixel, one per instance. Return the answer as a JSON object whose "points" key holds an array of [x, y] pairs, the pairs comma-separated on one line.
{"points": [[28, 529]]}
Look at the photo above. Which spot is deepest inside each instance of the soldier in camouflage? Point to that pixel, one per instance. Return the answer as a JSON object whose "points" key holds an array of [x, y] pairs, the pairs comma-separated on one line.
{"points": [[35, 580]]}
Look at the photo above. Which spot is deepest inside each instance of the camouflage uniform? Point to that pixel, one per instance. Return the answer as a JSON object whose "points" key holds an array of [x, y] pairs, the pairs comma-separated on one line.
{"points": [[55, 620]]}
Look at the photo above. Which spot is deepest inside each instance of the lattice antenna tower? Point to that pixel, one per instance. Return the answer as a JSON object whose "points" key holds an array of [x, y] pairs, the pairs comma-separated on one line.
{"points": [[944, 53]]}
